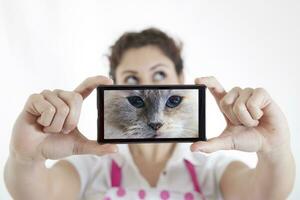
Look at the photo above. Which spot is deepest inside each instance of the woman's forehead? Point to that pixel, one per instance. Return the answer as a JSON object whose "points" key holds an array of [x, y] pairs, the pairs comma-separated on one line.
{"points": [[143, 59]]}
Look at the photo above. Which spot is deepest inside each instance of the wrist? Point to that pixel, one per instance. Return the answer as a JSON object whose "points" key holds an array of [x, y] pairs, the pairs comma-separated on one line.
{"points": [[25, 160], [276, 154]]}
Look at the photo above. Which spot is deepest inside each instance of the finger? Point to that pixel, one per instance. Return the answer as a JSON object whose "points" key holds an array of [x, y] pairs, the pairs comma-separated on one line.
{"points": [[85, 146], [87, 86], [232, 139], [215, 88], [257, 102], [213, 85], [271, 112], [38, 106], [61, 113], [241, 111], [74, 102], [92, 147], [214, 144], [226, 105]]}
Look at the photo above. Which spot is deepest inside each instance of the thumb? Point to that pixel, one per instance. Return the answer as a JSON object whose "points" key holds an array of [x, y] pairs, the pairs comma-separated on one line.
{"points": [[82, 145], [214, 144]]}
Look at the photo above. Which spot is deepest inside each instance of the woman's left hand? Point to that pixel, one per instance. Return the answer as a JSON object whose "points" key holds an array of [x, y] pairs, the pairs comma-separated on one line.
{"points": [[255, 122]]}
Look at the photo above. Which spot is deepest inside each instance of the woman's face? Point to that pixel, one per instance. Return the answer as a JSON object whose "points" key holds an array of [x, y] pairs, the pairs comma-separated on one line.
{"points": [[146, 66]]}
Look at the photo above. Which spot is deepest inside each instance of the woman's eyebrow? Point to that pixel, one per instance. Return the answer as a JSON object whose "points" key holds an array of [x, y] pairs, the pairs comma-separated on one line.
{"points": [[129, 72], [158, 65]]}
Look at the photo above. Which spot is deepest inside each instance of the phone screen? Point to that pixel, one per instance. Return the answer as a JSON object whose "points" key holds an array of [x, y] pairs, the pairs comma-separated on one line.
{"points": [[165, 113]]}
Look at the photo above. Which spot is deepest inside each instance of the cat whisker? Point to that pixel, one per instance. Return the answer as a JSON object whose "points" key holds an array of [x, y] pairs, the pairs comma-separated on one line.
{"points": [[182, 128]]}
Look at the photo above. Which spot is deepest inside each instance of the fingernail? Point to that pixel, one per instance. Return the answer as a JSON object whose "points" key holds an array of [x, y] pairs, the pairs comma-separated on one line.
{"points": [[260, 114], [111, 81]]}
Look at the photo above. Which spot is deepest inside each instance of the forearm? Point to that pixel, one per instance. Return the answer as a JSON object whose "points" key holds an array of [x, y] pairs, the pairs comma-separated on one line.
{"points": [[27, 179], [274, 175]]}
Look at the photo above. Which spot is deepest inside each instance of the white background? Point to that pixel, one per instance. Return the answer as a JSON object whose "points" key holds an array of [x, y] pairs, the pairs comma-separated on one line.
{"points": [[57, 44]]}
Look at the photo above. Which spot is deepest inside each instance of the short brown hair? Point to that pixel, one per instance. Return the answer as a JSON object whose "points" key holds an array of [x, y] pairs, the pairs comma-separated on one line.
{"points": [[150, 36]]}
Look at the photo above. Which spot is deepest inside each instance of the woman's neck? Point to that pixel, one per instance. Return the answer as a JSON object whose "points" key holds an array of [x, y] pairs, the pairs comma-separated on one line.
{"points": [[152, 153], [151, 159]]}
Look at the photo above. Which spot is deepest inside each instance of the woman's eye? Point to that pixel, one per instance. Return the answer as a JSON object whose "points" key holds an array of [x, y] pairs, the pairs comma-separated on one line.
{"points": [[173, 101], [136, 101], [158, 76], [131, 80]]}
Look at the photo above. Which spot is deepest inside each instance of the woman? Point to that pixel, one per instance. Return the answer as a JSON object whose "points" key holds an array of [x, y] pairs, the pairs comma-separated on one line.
{"points": [[47, 129]]}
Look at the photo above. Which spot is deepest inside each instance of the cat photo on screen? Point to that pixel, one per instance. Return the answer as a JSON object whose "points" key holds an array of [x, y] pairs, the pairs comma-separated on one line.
{"points": [[165, 113]]}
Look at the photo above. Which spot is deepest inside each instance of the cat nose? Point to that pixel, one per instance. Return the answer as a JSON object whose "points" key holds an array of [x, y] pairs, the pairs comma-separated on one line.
{"points": [[155, 126]]}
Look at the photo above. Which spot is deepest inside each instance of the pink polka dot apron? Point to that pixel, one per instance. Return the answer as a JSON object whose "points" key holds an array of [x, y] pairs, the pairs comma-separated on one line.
{"points": [[118, 192]]}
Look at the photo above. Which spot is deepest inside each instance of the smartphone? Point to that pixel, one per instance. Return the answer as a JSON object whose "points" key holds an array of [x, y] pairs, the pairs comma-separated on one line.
{"points": [[150, 113]]}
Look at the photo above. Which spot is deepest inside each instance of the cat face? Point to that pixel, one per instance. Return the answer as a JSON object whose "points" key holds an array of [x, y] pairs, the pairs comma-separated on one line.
{"points": [[151, 113]]}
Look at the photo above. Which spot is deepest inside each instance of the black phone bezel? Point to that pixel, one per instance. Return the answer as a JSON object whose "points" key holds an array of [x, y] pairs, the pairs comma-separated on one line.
{"points": [[201, 113]]}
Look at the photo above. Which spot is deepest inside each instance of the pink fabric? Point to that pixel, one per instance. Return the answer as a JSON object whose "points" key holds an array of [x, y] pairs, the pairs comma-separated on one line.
{"points": [[164, 195], [188, 196], [115, 174], [191, 168], [142, 194], [121, 192]]}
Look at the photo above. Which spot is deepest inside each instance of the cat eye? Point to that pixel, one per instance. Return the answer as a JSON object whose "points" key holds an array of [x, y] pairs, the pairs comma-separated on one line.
{"points": [[136, 101], [131, 80], [158, 76], [173, 101]]}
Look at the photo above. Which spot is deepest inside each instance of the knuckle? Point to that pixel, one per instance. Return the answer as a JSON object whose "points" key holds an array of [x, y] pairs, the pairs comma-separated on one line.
{"points": [[248, 89], [263, 92], [238, 107], [34, 97], [46, 91], [77, 97], [51, 109], [224, 102], [260, 90], [236, 89], [63, 110], [57, 91], [251, 104]]}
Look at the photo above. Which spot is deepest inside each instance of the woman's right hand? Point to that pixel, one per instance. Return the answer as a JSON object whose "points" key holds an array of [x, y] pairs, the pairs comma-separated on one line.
{"points": [[47, 126]]}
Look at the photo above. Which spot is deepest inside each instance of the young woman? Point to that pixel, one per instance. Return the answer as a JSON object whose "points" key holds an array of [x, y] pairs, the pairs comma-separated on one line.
{"points": [[47, 129]]}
